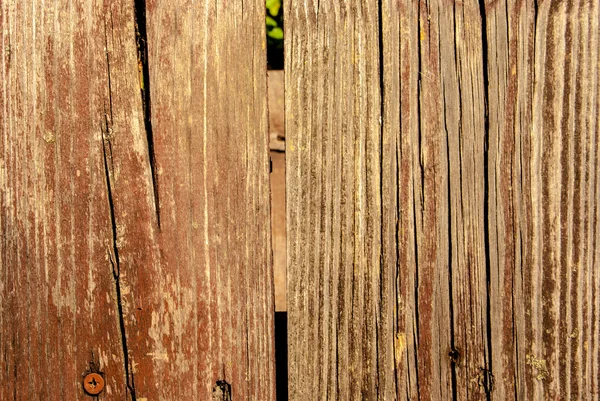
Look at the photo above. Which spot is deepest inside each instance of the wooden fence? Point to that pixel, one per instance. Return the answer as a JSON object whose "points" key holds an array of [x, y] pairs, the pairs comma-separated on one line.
{"points": [[443, 186]]}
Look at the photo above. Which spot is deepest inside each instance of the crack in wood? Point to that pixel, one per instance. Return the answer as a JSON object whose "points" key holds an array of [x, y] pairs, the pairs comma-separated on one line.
{"points": [[113, 252], [453, 354], [417, 322], [382, 277], [141, 40], [113, 257], [486, 206]]}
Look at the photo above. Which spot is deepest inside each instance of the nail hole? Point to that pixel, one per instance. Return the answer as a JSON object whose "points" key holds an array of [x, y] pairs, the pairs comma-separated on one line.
{"points": [[454, 355], [221, 391]]}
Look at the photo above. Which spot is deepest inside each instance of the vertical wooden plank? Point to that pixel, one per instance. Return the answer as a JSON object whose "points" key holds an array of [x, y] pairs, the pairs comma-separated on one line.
{"points": [[206, 285], [135, 201], [406, 119], [485, 285], [333, 181], [543, 163], [58, 304], [424, 238], [510, 30], [441, 185]]}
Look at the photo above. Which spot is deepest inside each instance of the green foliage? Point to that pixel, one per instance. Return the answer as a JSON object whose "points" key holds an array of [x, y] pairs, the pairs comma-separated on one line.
{"points": [[274, 20], [274, 6]]}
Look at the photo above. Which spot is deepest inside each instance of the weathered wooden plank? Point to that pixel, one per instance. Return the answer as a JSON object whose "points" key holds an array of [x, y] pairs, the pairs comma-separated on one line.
{"points": [[442, 169], [207, 76], [277, 182], [459, 236], [135, 201], [544, 168], [59, 310], [511, 34], [333, 193]]}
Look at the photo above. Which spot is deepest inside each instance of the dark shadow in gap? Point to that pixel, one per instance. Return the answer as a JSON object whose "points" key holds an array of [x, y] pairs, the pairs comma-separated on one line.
{"points": [[274, 19], [274, 59], [281, 356]]}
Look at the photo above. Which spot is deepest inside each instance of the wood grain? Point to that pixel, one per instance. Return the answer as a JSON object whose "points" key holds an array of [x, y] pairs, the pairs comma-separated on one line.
{"points": [[442, 197], [135, 201]]}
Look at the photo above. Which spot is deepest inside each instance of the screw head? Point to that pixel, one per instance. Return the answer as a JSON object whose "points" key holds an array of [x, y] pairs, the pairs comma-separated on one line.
{"points": [[93, 384]]}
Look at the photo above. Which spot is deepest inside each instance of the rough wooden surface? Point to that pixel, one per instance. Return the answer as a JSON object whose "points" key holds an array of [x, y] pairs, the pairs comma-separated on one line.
{"points": [[278, 228], [277, 181], [134, 198], [442, 200], [276, 110]]}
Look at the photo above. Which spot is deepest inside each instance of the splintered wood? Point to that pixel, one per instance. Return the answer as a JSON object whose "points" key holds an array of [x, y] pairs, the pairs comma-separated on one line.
{"points": [[134, 201], [442, 199]]}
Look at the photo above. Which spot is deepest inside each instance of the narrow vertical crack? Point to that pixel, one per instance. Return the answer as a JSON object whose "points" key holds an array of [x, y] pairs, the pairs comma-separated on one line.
{"points": [[453, 353], [382, 266], [416, 295], [486, 206], [420, 123], [399, 287], [113, 254], [141, 39], [422, 200], [514, 334]]}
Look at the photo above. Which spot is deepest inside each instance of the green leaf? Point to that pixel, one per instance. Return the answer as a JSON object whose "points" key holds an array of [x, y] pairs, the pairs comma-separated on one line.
{"points": [[273, 6], [271, 22], [276, 33]]}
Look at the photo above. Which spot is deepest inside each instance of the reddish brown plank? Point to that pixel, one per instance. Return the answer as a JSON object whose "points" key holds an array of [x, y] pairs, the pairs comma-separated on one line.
{"points": [[59, 310], [135, 164], [212, 255]]}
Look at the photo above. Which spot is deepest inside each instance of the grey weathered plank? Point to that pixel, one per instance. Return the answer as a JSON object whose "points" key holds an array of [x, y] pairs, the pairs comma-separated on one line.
{"points": [[135, 200], [450, 252], [333, 198], [546, 127]]}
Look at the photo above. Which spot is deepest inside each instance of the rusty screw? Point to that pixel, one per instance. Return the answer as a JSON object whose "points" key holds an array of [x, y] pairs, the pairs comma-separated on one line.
{"points": [[93, 384]]}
